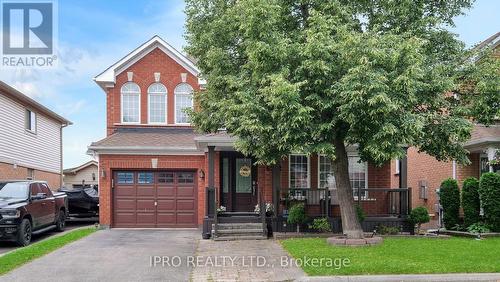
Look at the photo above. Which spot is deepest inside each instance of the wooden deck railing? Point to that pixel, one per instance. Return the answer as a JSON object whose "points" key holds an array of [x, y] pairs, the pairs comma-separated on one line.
{"points": [[321, 202]]}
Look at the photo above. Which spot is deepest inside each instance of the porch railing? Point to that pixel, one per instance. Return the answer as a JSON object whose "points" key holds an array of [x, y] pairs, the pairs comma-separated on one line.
{"points": [[322, 202]]}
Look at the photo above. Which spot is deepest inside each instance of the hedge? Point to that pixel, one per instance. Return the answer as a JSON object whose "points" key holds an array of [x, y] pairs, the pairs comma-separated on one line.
{"points": [[489, 192], [450, 200], [470, 201]]}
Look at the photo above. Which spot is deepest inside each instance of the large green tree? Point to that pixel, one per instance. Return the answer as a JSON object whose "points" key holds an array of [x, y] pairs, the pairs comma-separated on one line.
{"points": [[315, 76]]}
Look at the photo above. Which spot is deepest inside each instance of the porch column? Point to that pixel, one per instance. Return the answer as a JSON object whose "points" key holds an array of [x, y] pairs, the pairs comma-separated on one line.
{"points": [[403, 170], [491, 156], [211, 166], [211, 194], [403, 183], [276, 188]]}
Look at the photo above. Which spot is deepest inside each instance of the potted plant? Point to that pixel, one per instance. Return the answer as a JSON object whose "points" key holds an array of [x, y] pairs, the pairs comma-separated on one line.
{"points": [[221, 209], [297, 215]]}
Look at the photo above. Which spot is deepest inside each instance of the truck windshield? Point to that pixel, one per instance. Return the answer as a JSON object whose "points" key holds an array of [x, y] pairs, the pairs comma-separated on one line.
{"points": [[14, 190]]}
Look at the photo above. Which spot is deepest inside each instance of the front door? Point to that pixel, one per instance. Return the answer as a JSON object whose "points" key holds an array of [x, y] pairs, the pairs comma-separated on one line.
{"points": [[239, 182], [244, 188]]}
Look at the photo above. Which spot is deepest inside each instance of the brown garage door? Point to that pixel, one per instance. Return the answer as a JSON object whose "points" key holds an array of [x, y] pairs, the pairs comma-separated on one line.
{"points": [[154, 199]]}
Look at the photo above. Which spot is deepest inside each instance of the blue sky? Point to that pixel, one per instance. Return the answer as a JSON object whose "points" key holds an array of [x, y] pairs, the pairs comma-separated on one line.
{"points": [[94, 34]]}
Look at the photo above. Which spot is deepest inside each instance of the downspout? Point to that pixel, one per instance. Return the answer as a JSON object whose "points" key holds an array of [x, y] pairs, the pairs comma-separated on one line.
{"points": [[454, 169], [61, 176]]}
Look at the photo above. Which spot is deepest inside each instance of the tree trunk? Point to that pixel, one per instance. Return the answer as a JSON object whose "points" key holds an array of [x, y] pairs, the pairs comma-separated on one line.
{"points": [[350, 224]]}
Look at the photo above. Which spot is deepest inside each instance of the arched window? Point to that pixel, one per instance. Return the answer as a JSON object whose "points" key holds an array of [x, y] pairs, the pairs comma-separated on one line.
{"points": [[157, 101], [131, 103], [183, 100]]}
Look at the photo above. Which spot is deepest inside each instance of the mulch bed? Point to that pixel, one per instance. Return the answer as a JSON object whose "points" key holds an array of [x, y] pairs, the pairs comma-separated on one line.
{"points": [[468, 234]]}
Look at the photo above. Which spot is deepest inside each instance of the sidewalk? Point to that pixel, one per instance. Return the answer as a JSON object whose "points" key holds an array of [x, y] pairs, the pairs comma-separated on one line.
{"points": [[414, 277]]}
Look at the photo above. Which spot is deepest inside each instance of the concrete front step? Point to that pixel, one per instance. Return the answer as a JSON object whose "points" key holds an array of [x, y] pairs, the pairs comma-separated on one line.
{"points": [[235, 238], [245, 214], [239, 219], [225, 226], [240, 232]]}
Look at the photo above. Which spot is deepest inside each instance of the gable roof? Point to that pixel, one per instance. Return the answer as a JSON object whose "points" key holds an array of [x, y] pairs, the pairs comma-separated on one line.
{"points": [[490, 42], [75, 170], [13, 93], [108, 76]]}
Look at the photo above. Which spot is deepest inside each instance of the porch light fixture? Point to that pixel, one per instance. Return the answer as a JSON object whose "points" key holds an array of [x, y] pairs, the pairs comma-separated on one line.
{"points": [[103, 173], [201, 174]]}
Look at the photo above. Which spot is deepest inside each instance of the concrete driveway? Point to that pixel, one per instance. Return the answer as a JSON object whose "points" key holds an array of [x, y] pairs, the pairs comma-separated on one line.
{"points": [[116, 255]]}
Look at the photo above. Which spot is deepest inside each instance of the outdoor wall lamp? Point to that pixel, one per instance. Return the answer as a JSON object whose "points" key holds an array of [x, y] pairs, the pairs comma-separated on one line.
{"points": [[201, 174], [103, 173]]}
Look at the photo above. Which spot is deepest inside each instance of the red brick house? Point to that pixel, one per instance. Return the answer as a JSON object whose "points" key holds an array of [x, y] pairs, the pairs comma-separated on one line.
{"points": [[156, 171], [425, 173]]}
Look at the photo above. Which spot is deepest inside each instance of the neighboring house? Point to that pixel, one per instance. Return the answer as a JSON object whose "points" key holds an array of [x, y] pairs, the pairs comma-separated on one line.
{"points": [[80, 176], [156, 171], [30, 139], [425, 173]]}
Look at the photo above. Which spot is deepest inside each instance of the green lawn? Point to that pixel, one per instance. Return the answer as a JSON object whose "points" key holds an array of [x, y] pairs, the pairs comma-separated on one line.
{"points": [[24, 255], [401, 256]]}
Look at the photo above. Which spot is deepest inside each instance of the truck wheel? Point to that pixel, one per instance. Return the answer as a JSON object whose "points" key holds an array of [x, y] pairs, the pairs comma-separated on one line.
{"points": [[61, 221], [24, 233]]}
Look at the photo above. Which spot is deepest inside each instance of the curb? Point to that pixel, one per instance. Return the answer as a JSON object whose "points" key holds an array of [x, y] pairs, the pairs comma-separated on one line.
{"points": [[409, 277]]}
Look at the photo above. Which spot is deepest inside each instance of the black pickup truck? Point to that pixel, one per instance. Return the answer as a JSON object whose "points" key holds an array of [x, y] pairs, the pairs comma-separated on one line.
{"points": [[29, 207]]}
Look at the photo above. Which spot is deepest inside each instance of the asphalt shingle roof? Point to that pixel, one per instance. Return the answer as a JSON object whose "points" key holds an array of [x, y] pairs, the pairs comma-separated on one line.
{"points": [[150, 137]]}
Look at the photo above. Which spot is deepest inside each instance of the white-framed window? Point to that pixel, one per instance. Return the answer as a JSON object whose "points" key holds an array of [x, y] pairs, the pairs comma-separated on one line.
{"points": [[157, 104], [30, 121], [131, 103], [183, 100], [358, 174], [299, 171]]}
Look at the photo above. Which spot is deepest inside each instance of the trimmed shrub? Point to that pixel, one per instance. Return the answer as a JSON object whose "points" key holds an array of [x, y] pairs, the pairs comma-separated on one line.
{"points": [[321, 225], [297, 215], [479, 227], [360, 214], [470, 201], [418, 216], [387, 230], [450, 200], [489, 193]]}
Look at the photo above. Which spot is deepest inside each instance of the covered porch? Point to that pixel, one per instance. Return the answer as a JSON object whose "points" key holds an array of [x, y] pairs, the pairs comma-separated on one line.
{"points": [[240, 190], [485, 145]]}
